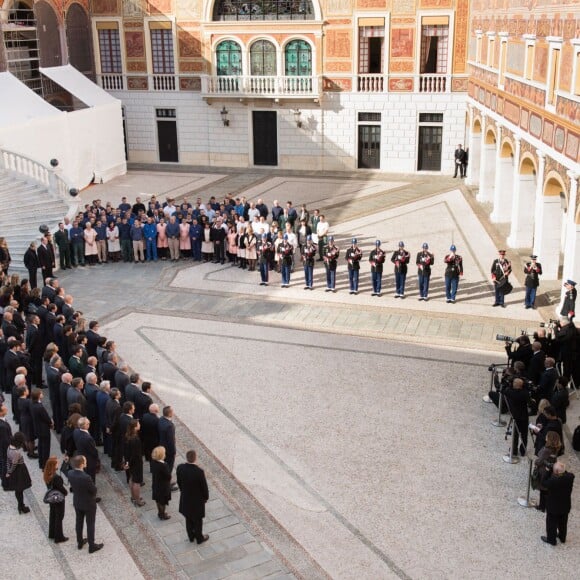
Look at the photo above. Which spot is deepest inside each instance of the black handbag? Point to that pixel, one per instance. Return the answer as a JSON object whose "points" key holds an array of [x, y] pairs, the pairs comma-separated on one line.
{"points": [[65, 466], [506, 288], [53, 496]]}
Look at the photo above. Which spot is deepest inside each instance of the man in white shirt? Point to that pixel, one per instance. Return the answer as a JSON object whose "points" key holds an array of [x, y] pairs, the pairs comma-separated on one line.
{"points": [[321, 232]]}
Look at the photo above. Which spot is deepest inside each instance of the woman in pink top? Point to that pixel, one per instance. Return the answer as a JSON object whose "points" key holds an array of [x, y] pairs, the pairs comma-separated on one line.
{"points": [[232, 245], [184, 239], [90, 236], [162, 243]]}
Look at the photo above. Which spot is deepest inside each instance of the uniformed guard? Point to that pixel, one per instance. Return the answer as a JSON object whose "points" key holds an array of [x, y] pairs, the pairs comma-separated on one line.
{"points": [[353, 258], [569, 306], [285, 251], [377, 259], [331, 253], [400, 258], [500, 271], [424, 262], [453, 271], [265, 251], [308, 254], [533, 271]]}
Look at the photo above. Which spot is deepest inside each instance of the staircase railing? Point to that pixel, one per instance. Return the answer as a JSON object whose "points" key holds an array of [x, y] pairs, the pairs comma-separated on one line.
{"points": [[32, 169]]}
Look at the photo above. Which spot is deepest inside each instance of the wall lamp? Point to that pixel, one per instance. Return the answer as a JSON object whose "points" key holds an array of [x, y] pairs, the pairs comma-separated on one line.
{"points": [[297, 114], [224, 116]]}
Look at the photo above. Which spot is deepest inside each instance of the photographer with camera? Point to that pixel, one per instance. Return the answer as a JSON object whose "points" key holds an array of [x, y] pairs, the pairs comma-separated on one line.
{"points": [[523, 351], [567, 338], [518, 399], [507, 378], [558, 503]]}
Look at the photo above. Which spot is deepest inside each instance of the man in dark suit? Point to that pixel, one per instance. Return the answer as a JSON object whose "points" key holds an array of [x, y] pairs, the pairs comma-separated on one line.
{"points": [[45, 259], [460, 161], [143, 400], [75, 363], [150, 430], [5, 437], [42, 426], [75, 395], [113, 414], [49, 289], [109, 369], [85, 445], [167, 436], [547, 380], [194, 495], [65, 385], [536, 364], [35, 347], [85, 503], [132, 390], [558, 503], [122, 379], [93, 338], [32, 264], [12, 361], [53, 380]]}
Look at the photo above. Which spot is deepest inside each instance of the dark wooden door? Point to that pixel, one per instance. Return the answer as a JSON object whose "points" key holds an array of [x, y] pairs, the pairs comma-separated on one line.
{"points": [[167, 137], [369, 146], [265, 133], [429, 154]]}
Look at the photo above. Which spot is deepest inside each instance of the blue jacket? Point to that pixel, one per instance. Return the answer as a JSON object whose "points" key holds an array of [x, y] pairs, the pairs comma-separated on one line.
{"points": [[195, 231], [136, 233], [150, 231], [172, 230], [76, 236], [124, 231], [101, 232]]}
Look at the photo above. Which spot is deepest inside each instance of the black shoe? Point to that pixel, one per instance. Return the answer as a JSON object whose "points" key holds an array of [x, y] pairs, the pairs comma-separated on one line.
{"points": [[563, 540], [545, 539], [81, 544], [95, 548], [494, 305], [174, 487], [24, 509], [540, 509], [204, 538], [33, 455], [98, 500], [142, 484], [64, 539]]}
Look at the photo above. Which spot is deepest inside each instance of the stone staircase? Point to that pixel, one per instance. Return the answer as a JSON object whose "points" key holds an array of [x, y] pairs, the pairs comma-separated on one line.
{"points": [[26, 204]]}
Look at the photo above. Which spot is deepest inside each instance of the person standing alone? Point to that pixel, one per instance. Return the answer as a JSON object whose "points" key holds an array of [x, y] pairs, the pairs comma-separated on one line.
{"points": [[460, 161]]}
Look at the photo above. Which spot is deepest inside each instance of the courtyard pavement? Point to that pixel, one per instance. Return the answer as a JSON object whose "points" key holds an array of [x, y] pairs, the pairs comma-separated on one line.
{"points": [[343, 436]]}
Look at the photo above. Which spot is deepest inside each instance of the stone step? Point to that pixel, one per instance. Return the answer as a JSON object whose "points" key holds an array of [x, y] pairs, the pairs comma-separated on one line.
{"points": [[14, 190]]}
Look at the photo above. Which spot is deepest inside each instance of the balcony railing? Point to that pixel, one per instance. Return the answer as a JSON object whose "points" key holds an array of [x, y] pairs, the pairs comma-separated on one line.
{"points": [[433, 83], [271, 86]]}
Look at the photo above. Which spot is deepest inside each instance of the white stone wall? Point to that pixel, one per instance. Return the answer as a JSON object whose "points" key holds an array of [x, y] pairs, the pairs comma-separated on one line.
{"points": [[327, 139]]}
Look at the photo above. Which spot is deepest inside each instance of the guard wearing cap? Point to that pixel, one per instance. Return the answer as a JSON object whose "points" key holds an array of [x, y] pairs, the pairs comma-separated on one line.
{"points": [[569, 306], [424, 262], [265, 251], [533, 271], [377, 259], [308, 254], [453, 271], [285, 252], [500, 271], [331, 253], [353, 258], [401, 259]]}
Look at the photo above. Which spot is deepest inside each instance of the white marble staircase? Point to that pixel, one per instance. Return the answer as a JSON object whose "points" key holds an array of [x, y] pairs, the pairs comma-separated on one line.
{"points": [[30, 196]]}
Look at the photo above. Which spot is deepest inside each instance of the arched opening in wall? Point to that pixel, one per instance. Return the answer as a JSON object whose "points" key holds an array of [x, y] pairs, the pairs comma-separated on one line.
{"points": [[522, 230], [78, 39], [48, 30], [259, 10], [552, 234], [21, 42]]}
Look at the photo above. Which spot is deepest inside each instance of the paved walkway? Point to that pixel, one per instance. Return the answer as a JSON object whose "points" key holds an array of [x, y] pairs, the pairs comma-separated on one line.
{"points": [[246, 541]]}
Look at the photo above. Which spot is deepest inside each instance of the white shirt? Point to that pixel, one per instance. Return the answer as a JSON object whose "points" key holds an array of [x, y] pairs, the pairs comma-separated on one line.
{"points": [[322, 228]]}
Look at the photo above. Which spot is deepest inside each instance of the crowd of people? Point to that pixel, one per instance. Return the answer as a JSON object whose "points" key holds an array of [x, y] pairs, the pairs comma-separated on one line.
{"points": [[531, 384], [47, 347]]}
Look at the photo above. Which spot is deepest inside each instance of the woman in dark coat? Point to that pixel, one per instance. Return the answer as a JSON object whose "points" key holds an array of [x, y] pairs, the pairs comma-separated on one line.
{"points": [[54, 481], [561, 398], [67, 444], [26, 424], [547, 456], [17, 477], [133, 453], [161, 487]]}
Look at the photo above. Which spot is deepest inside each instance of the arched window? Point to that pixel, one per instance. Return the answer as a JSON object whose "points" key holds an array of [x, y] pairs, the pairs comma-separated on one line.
{"points": [[78, 38], [229, 58], [263, 10], [298, 59], [263, 59]]}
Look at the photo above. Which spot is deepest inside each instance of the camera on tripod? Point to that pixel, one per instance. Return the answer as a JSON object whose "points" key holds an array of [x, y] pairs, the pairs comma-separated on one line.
{"points": [[505, 338], [552, 323]]}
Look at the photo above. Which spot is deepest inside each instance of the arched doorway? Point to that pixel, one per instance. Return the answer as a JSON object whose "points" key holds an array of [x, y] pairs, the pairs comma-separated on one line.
{"points": [[487, 168], [523, 206], [78, 39], [474, 160], [504, 182], [48, 30], [549, 227]]}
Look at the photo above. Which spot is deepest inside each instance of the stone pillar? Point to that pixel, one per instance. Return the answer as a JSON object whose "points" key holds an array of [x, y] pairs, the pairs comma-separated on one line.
{"points": [[474, 160], [3, 60], [538, 205], [571, 267], [523, 207], [504, 185], [487, 170]]}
